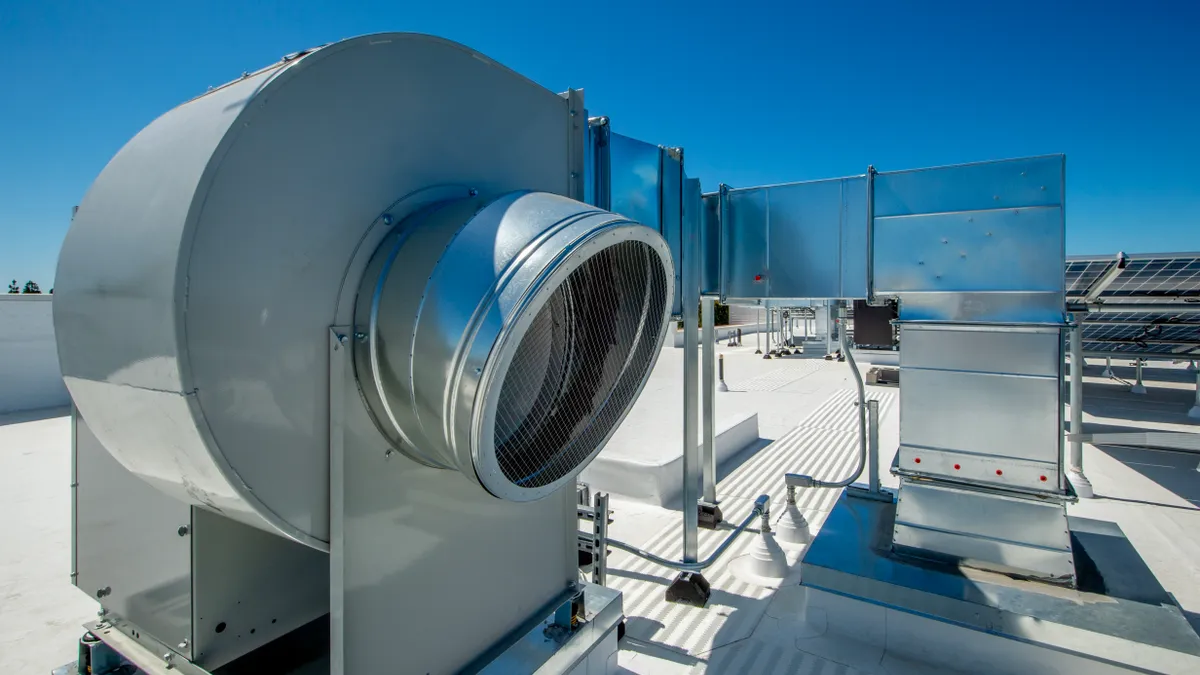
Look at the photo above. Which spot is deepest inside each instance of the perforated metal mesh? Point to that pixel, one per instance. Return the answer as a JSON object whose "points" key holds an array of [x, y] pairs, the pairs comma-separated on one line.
{"points": [[580, 364]]}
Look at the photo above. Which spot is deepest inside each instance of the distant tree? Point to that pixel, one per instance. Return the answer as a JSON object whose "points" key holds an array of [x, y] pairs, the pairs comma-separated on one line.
{"points": [[13, 288], [31, 287]]}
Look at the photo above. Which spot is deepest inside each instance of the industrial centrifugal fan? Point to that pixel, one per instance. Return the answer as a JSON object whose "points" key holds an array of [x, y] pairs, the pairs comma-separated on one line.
{"points": [[340, 334]]}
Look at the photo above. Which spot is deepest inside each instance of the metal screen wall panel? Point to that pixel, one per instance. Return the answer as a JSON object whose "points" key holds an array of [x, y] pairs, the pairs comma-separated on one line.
{"points": [[814, 240], [982, 406], [854, 252], [635, 183], [804, 233], [744, 263]]}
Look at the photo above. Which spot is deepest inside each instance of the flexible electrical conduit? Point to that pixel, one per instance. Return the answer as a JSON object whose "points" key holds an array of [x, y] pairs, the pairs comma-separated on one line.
{"points": [[798, 480]]}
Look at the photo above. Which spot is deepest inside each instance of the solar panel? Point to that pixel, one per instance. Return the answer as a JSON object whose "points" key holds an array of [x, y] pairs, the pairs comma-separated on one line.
{"points": [[1151, 278]]}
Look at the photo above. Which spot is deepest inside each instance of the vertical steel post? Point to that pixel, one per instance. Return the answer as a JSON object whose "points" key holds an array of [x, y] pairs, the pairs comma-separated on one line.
{"points": [[690, 299], [873, 446], [828, 329], [708, 458], [1138, 387], [1107, 367], [1083, 487], [767, 354], [600, 536], [758, 333]]}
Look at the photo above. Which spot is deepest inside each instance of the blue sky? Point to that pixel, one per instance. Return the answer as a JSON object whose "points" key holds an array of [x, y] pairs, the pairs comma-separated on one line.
{"points": [[756, 94]]}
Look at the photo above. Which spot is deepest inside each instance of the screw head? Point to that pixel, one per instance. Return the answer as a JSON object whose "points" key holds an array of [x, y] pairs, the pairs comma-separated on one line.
{"points": [[387, 219], [387, 454], [473, 192], [182, 531]]}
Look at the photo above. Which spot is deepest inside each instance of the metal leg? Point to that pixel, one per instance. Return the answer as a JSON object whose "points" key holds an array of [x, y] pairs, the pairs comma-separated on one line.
{"points": [[600, 532], [721, 386], [758, 336], [708, 461], [1083, 487], [828, 329], [1191, 366], [767, 355], [1108, 367], [873, 446], [1138, 387], [1195, 411]]}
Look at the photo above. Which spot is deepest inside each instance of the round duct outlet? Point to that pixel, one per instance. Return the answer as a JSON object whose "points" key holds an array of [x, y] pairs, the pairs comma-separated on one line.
{"points": [[508, 337]]}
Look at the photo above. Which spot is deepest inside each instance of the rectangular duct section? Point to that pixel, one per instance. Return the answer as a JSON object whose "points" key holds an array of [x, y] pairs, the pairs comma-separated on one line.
{"points": [[975, 255]]}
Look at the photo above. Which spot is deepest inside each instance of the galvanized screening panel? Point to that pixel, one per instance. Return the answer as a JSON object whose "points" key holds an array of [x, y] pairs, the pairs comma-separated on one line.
{"points": [[805, 240], [744, 262], [671, 217], [804, 233], [854, 252], [635, 180]]}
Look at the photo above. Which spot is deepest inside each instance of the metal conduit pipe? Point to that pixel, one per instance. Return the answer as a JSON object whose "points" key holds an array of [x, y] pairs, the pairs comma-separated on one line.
{"points": [[797, 480], [761, 509]]}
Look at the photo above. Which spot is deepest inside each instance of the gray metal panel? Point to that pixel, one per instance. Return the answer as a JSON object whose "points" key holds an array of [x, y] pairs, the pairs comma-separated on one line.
{"points": [[1016, 249], [635, 179], [744, 256], [710, 244], [251, 585], [127, 543], [854, 251], [430, 543], [984, 530], [973, 242], [804, 222], [1041, 308], [1018, 351], [1032, 181], [813, 240], [982, 403]]}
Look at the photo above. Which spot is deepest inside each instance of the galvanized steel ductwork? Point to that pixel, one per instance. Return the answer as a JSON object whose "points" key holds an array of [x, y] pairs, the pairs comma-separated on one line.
{"points": [[403, 188], [508, 338]]}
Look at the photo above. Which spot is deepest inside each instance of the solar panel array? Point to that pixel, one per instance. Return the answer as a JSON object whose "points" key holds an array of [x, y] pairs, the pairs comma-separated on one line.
{"points": [[1153, 278]]}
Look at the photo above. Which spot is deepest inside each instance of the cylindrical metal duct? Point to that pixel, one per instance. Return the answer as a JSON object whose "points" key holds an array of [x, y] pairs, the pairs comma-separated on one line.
{"points": [[401, 188], [508, 338]]}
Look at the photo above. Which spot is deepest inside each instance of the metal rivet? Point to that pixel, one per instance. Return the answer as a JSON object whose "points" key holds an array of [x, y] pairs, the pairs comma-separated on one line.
{"points": [[473, 192], [360, 336], [387, 454], [920, 262], [182, 531], [183, 644], [1022, 173], [104, 592], [962, 254], [989, 234], [387, 219], [945, 241], [996, 198], [1043, 188]]}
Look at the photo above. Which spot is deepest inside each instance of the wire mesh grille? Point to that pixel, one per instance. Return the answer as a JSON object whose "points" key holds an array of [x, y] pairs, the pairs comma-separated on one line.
{"points": [[580, 364]]}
